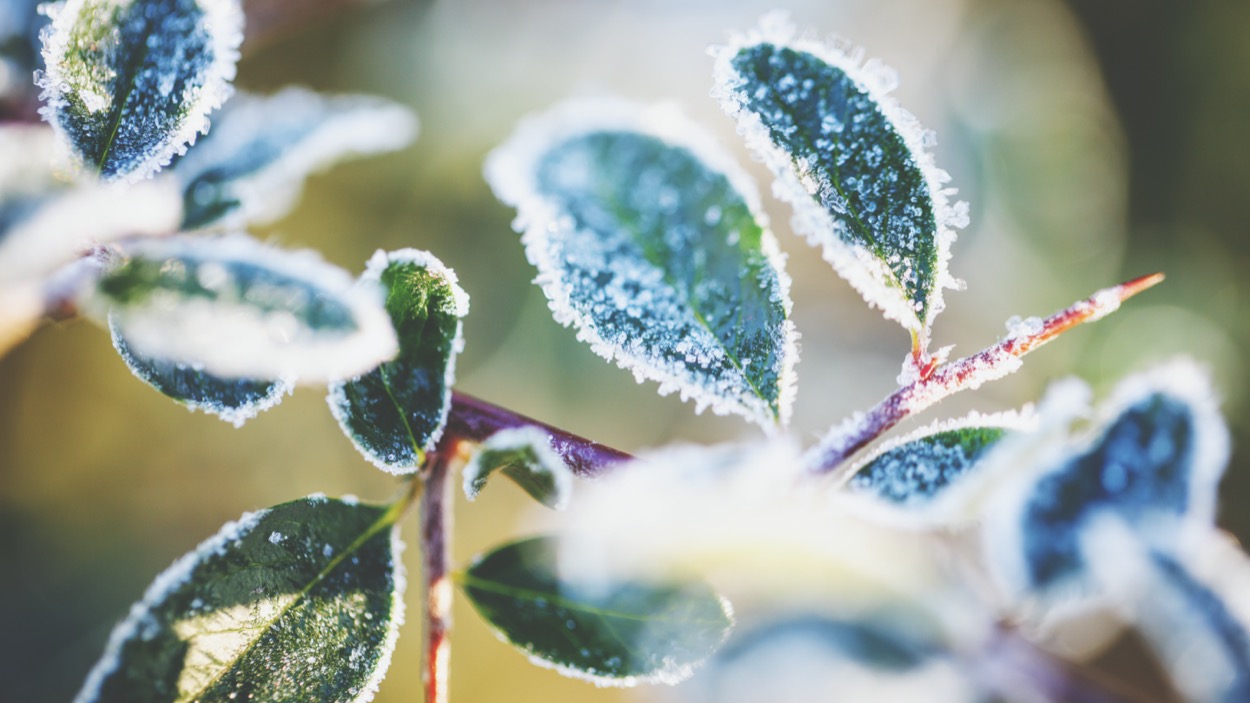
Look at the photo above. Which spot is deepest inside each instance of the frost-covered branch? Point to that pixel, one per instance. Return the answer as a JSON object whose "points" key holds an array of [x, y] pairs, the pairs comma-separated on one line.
{"points": [[475, 420], [435, 513], [970, 372]]}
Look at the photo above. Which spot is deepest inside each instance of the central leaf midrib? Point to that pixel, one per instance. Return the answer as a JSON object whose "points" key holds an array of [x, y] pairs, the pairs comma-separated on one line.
{"points": [[133, 68], [385, 520]]}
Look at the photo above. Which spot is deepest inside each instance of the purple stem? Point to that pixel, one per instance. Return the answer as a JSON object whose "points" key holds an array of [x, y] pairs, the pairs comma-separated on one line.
{"points": [[475, 420]]}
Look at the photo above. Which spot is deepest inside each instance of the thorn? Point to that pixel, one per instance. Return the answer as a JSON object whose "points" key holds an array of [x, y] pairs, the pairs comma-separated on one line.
{"points": [[1131, 288]]}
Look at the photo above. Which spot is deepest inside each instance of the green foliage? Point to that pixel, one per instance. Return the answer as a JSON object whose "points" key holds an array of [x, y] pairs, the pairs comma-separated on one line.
{"points": [[299, 602], [525, 456], [611, 633]]}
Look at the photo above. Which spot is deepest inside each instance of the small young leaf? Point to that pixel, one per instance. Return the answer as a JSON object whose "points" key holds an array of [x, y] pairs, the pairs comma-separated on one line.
{"points": [[235, 400], [523, 454], [618, 635], [917, 469], [1154, 462], [651, 242], [299, 602], [251, 167], [395, 413], [852, 163], [130, 83], [240, 309]]}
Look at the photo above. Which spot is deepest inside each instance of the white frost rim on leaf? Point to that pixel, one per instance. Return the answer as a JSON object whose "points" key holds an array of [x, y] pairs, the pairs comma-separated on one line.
{"points": [[351, 125], [233, 340], [862, 269], [952, 507], [336, 396], [399, 576], [520, 439], [510, 170], [1181, 379], [223, 21]]}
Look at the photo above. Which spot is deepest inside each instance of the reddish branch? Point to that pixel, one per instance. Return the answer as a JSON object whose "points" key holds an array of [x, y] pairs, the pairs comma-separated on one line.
{"points": [[934, 384], [435, 516]]}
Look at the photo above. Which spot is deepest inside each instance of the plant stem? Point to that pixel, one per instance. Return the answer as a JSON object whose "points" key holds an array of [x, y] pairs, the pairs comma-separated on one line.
{"points": [[990, 364], [435, 518], [474, 420]]}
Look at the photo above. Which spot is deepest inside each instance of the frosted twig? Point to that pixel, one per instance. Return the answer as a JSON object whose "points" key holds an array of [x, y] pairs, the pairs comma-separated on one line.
{"points": [[990, 364], [475, 420], [435, 516]]}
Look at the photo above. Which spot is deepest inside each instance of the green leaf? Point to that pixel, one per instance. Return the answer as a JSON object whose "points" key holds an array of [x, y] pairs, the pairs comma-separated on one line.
{"points": [[240, 309], [251, 167], [919, 469], [523, 454], [395, 413], [300, 602], [130, 83], [852, 163], [618, 634], [651, 242], [235, 400]]}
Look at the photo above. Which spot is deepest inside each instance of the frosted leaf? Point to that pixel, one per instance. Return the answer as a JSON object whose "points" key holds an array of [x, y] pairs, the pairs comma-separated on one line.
{"points": [[525, 455], [621, 635], [246, 617], [130, 83], [239, 309], [235, 400], [251, 167], [851, 161], [395, 413], [913, 473], [651, 242], [1153, 460], [812, 657], [1190, 607]]}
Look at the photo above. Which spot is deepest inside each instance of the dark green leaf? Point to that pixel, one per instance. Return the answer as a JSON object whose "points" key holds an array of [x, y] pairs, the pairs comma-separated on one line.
{"points": [[617, 634], [251, 167], [523, 454], [852, 163], [395, 413], [239, 309], [920, 469], [296, 603], [650, 242], [130, 83], [235, 400]]}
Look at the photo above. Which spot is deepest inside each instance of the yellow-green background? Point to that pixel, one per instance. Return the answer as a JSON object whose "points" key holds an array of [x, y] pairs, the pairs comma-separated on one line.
{"points": [[1096, 140]]}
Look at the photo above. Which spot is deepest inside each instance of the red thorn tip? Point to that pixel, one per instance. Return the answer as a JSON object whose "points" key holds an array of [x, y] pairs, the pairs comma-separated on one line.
{"points": [[1131, 288]]}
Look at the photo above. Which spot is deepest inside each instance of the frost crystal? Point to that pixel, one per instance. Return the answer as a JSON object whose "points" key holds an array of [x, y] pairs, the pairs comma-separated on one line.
{"points": [[129, 84], [525, 455], [852, 162], [650, 241], [251, 167]]}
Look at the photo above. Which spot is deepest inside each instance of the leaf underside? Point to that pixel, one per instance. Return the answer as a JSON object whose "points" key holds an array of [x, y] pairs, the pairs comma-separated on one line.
{"points": [[297, 603], [129, 84], [619, 634], [661, 264], [919, 471], [395, 413], [853, 163]]}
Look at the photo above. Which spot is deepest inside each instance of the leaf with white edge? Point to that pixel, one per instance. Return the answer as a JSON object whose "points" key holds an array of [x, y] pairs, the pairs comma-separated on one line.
{"points": [[1154, 461], [241, 309], [651, 242], [302, 601], [852, 162], [235, 400], [814, 657], [251, 167], [916, 470], [618, 634], [130, 83], [523, 454], [396, 412]]}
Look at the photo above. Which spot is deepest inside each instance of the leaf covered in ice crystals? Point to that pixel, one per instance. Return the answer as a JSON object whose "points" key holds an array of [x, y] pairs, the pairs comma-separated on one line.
{"points": [[130, 83], [651, 243], [299, 602]]}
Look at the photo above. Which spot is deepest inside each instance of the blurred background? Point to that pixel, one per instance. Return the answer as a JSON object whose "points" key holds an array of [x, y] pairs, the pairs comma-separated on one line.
{"points": [[1096, 140]]}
